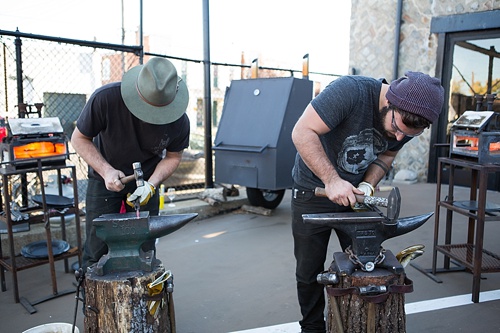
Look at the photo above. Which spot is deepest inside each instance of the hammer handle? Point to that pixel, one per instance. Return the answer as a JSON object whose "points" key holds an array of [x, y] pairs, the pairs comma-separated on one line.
{"points": [[127, 179], [320, 192], [376, 201]]}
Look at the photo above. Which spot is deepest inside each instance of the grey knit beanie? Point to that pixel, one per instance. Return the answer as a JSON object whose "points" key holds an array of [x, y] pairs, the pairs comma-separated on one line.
{"points": [[417, 93]]}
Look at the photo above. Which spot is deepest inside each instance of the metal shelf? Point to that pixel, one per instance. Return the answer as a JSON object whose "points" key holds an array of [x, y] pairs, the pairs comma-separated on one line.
{"points": [[464, 254], [14, 263], [22, 263], [471, 255], [469, 213]]}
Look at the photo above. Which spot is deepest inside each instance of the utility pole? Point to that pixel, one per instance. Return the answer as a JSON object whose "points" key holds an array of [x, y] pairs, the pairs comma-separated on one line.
{"points": [[209, 182]]}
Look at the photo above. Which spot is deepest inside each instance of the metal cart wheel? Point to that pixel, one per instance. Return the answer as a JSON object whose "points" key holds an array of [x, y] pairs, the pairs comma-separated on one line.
{"points": [[265, 198]]}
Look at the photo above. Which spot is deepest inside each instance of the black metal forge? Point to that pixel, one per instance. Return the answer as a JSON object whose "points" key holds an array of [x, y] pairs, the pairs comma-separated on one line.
{"points": [[33, 139], [126, 233], [475, 135]]}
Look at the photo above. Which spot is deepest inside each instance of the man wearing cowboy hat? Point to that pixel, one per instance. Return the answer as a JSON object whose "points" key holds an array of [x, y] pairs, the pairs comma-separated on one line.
{"points": [[140, 119]]}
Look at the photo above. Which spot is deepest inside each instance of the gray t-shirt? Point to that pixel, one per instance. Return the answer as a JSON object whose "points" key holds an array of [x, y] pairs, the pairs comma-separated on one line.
{"points": [[349, 106]]}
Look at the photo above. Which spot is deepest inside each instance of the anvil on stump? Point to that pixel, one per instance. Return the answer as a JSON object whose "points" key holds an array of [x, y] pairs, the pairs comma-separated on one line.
{"points": [[117, 296], [126, 233], [366, 284], [367, 230]]}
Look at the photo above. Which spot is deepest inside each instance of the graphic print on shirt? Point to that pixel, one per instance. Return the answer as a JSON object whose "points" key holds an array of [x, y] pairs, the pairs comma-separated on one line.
{"points": [[162, 145], [359, 151]]}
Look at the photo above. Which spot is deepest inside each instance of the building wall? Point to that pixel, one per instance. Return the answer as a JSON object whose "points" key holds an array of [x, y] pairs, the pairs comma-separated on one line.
{"points": [[372, 43]]}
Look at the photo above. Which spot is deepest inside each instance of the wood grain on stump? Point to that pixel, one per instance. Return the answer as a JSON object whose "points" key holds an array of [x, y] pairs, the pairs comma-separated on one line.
{"points": [[356, 315], [119, 303]]}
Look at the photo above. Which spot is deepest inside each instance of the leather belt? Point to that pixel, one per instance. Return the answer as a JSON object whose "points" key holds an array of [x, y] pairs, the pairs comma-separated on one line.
{"points": [[302, 194], [407, 287]]}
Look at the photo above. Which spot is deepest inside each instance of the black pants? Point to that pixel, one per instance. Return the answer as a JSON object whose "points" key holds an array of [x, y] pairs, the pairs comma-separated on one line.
{"points": [[101, 201], [310, 248]]}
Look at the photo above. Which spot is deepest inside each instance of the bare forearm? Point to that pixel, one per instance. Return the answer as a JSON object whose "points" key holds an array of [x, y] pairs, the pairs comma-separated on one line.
{"points": [[306, 137], [165, 168], [311, 150], [85, 148], [379, 168]]}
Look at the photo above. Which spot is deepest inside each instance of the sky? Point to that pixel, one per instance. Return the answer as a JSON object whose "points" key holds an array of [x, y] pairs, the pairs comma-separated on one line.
{"points": [[474, 65], [278, 31]]}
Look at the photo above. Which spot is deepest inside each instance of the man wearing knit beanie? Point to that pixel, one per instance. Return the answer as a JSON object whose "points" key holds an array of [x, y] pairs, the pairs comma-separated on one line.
{"points": [[346, 140], [417, 93]]}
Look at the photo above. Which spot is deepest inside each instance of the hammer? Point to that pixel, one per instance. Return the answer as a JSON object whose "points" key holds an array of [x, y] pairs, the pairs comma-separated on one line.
{"points": [[392, 203], [139, 179], [138, 175]]}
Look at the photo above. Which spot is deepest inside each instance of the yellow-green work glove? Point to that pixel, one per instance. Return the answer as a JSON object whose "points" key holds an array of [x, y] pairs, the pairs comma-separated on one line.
{"points": [[143, 193]]}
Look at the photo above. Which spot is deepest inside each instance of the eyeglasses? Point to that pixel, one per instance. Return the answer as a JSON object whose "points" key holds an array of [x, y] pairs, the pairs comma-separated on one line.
{"points": [[396, 128]]}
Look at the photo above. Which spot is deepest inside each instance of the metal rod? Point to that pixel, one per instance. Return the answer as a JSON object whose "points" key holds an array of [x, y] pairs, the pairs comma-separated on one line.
{"points": [[141, 34], [128, 48], [397, 35], [238, 65], [305, 66], [123, 37], [209, 182], [490, 70], [19, 71], [5, 79]]}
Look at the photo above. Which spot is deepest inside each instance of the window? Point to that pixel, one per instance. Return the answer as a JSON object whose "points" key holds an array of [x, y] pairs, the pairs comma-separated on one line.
{"points": [[463, 64]]}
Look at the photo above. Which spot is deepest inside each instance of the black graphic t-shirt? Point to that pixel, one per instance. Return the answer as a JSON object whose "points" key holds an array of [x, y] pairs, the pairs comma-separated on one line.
{"points": [[349, 106], [124, 139]]}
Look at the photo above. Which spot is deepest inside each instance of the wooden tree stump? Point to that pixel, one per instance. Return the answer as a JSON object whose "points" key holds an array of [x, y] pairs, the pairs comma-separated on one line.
{"points": [[118, 303], [351, 313]]}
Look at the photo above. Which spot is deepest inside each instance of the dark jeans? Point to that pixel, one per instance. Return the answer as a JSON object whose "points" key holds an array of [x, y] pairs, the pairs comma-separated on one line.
{"points": [[310, 248], [101, 201]]}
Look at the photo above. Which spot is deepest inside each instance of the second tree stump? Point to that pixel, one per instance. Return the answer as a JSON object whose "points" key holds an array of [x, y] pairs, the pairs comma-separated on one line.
{"points": [[351, 312]]}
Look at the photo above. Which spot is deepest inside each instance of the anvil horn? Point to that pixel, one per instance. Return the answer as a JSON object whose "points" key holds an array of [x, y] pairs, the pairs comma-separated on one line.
{"points": [[367, 230], [408, 224], [160, 226]]}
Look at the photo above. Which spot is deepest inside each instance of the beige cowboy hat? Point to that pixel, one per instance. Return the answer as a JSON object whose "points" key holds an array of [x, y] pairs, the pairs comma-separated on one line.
{"points": [[154, 93]]}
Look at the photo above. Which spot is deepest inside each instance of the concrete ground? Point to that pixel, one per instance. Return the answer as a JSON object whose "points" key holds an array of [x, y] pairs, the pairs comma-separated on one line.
{"points": [[234, 272]]}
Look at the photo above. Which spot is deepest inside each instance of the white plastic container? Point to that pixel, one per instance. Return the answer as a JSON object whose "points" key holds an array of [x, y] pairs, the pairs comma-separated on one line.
{"points": [[53, 328]]}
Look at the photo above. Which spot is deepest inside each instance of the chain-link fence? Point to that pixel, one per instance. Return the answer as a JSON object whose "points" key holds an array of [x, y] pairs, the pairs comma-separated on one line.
{"points": [[54, 77], [50, 78]]}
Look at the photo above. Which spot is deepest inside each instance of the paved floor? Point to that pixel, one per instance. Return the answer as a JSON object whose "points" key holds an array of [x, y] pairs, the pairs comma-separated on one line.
{"points": [[235, 273]]}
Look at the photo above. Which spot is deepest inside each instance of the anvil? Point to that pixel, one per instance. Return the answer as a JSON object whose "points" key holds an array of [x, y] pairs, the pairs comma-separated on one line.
{"points": [[124, 234], [367, 230]]}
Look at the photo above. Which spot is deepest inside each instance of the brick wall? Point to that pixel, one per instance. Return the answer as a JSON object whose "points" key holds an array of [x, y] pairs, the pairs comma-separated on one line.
{"points": [[372, 42]]}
